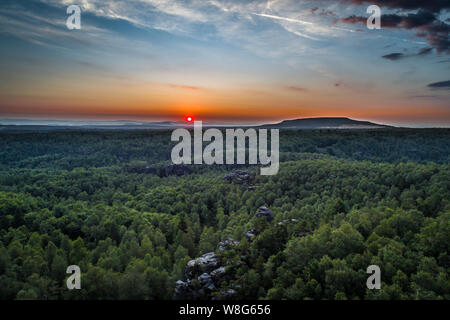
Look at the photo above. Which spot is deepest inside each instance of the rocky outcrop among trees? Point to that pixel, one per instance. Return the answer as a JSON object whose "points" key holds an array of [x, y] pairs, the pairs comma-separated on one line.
{"points": [[210, 276], [251, 234], [228, 243], [203, 275], [238, 177], [264, 212]]}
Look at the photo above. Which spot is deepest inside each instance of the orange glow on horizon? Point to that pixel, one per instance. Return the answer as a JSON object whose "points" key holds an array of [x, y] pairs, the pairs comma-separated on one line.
{"points": [[228, 105]]}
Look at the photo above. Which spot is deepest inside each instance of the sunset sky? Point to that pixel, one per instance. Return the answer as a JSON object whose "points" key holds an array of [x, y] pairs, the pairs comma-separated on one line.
{"points": [[226, 61]]}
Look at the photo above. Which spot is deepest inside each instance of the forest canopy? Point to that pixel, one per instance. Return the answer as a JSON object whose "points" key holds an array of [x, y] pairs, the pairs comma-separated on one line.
{"points": [[110, 203]]}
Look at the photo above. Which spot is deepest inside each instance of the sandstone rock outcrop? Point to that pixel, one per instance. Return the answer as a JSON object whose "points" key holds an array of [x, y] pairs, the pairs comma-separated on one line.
{"points": [[203, 276], [239, 177], [264, 212], [228, 244]]}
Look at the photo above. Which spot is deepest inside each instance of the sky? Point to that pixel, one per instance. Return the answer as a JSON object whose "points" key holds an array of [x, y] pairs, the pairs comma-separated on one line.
{"points": [[231, 61]]}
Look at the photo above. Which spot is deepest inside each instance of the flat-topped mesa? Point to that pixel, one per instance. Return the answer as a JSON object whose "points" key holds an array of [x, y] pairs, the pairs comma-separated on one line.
{"points": [[264, 212]]}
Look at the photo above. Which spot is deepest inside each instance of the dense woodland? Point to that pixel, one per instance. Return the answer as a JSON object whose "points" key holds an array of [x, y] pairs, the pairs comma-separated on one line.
{"points": [[358, 198]]}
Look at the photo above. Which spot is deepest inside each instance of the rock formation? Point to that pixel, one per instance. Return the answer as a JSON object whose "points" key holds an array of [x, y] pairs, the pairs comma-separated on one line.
{"points": [[203, 276], [239, 177], [264, 212]]}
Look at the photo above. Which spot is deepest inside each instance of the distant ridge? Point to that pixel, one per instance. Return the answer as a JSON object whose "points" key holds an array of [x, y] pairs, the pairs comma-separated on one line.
{"points": [[31, 124], [305, 123], [43, 122], [326, 123]]}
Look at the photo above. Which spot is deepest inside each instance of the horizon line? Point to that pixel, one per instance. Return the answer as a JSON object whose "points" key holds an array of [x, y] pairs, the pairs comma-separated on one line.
{"points": [[111, 122]]}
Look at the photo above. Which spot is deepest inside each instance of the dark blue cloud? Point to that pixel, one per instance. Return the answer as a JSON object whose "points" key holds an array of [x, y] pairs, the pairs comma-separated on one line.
{"points": [[440, 85]]}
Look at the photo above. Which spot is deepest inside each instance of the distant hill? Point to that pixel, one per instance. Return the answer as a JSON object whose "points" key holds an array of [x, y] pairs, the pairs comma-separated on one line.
{"points": [[326, 123], [306, 123]]}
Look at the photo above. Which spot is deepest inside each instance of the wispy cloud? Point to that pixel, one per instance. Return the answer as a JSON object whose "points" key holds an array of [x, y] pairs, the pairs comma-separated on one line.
{"points": [[282, 18], [399, 56], [394, 56], [183, 87], [296, 88], [440, 85]]}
